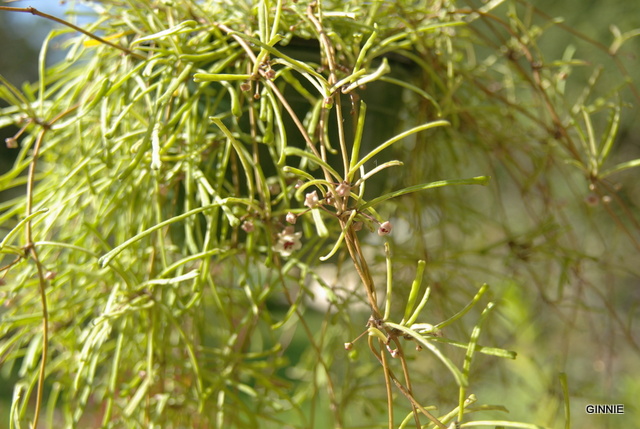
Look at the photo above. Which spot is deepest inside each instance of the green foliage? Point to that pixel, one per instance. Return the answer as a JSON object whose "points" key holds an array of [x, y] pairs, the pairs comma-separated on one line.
{"points": [[192, 183]]}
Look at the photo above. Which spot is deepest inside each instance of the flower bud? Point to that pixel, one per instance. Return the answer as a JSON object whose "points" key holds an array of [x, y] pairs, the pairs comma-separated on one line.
{"points": [[329, 198], [270, 74], [343, 189], [311, 199], [11, 142], [385, 228], [592, 199], [291, 218]]}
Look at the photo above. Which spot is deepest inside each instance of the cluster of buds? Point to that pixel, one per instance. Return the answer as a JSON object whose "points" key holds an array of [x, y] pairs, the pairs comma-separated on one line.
{"points": [[289, 240]]}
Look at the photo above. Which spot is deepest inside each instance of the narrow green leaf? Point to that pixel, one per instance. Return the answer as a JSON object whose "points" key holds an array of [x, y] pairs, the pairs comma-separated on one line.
{"points": [[394, 163], [480, 180], [425, 297], [413, 88], [14, 97], [591, 140], [218, 77], [294, 151], [620, 167], [377, 74], [236, 107], [391, 141], [466, 309], [362, 55], [175, 83], [491, 351], [357, 140], [340, 239], [321, 228], [7, 239], [137, 397], [185, 26], [413, 294], [375, 332], [612, 132], [459, 377], [106, 258], [103, 86], [471, 348], [242, 155], [387, 306]]}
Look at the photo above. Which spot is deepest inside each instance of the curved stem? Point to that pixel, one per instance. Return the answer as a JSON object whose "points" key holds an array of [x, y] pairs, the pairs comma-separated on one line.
{"points": [[45, 336]]}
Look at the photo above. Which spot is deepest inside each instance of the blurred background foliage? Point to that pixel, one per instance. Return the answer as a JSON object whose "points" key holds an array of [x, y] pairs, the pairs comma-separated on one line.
{"points": [[561, 258]]}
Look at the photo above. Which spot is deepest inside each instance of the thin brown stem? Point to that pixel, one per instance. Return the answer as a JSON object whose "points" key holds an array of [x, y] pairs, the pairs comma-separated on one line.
{"points": [[45, 335], [329, 53], [407, 379], [31, 250], [361, 267], [406, 393], [36, 12]]}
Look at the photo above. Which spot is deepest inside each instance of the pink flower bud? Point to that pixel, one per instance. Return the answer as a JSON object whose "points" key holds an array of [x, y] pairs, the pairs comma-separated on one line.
{"points": [[291, 218], [311, 199], [385, 228], [11, 142], [329, 198], [343, 189], [247, 226], [592, 199]]}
